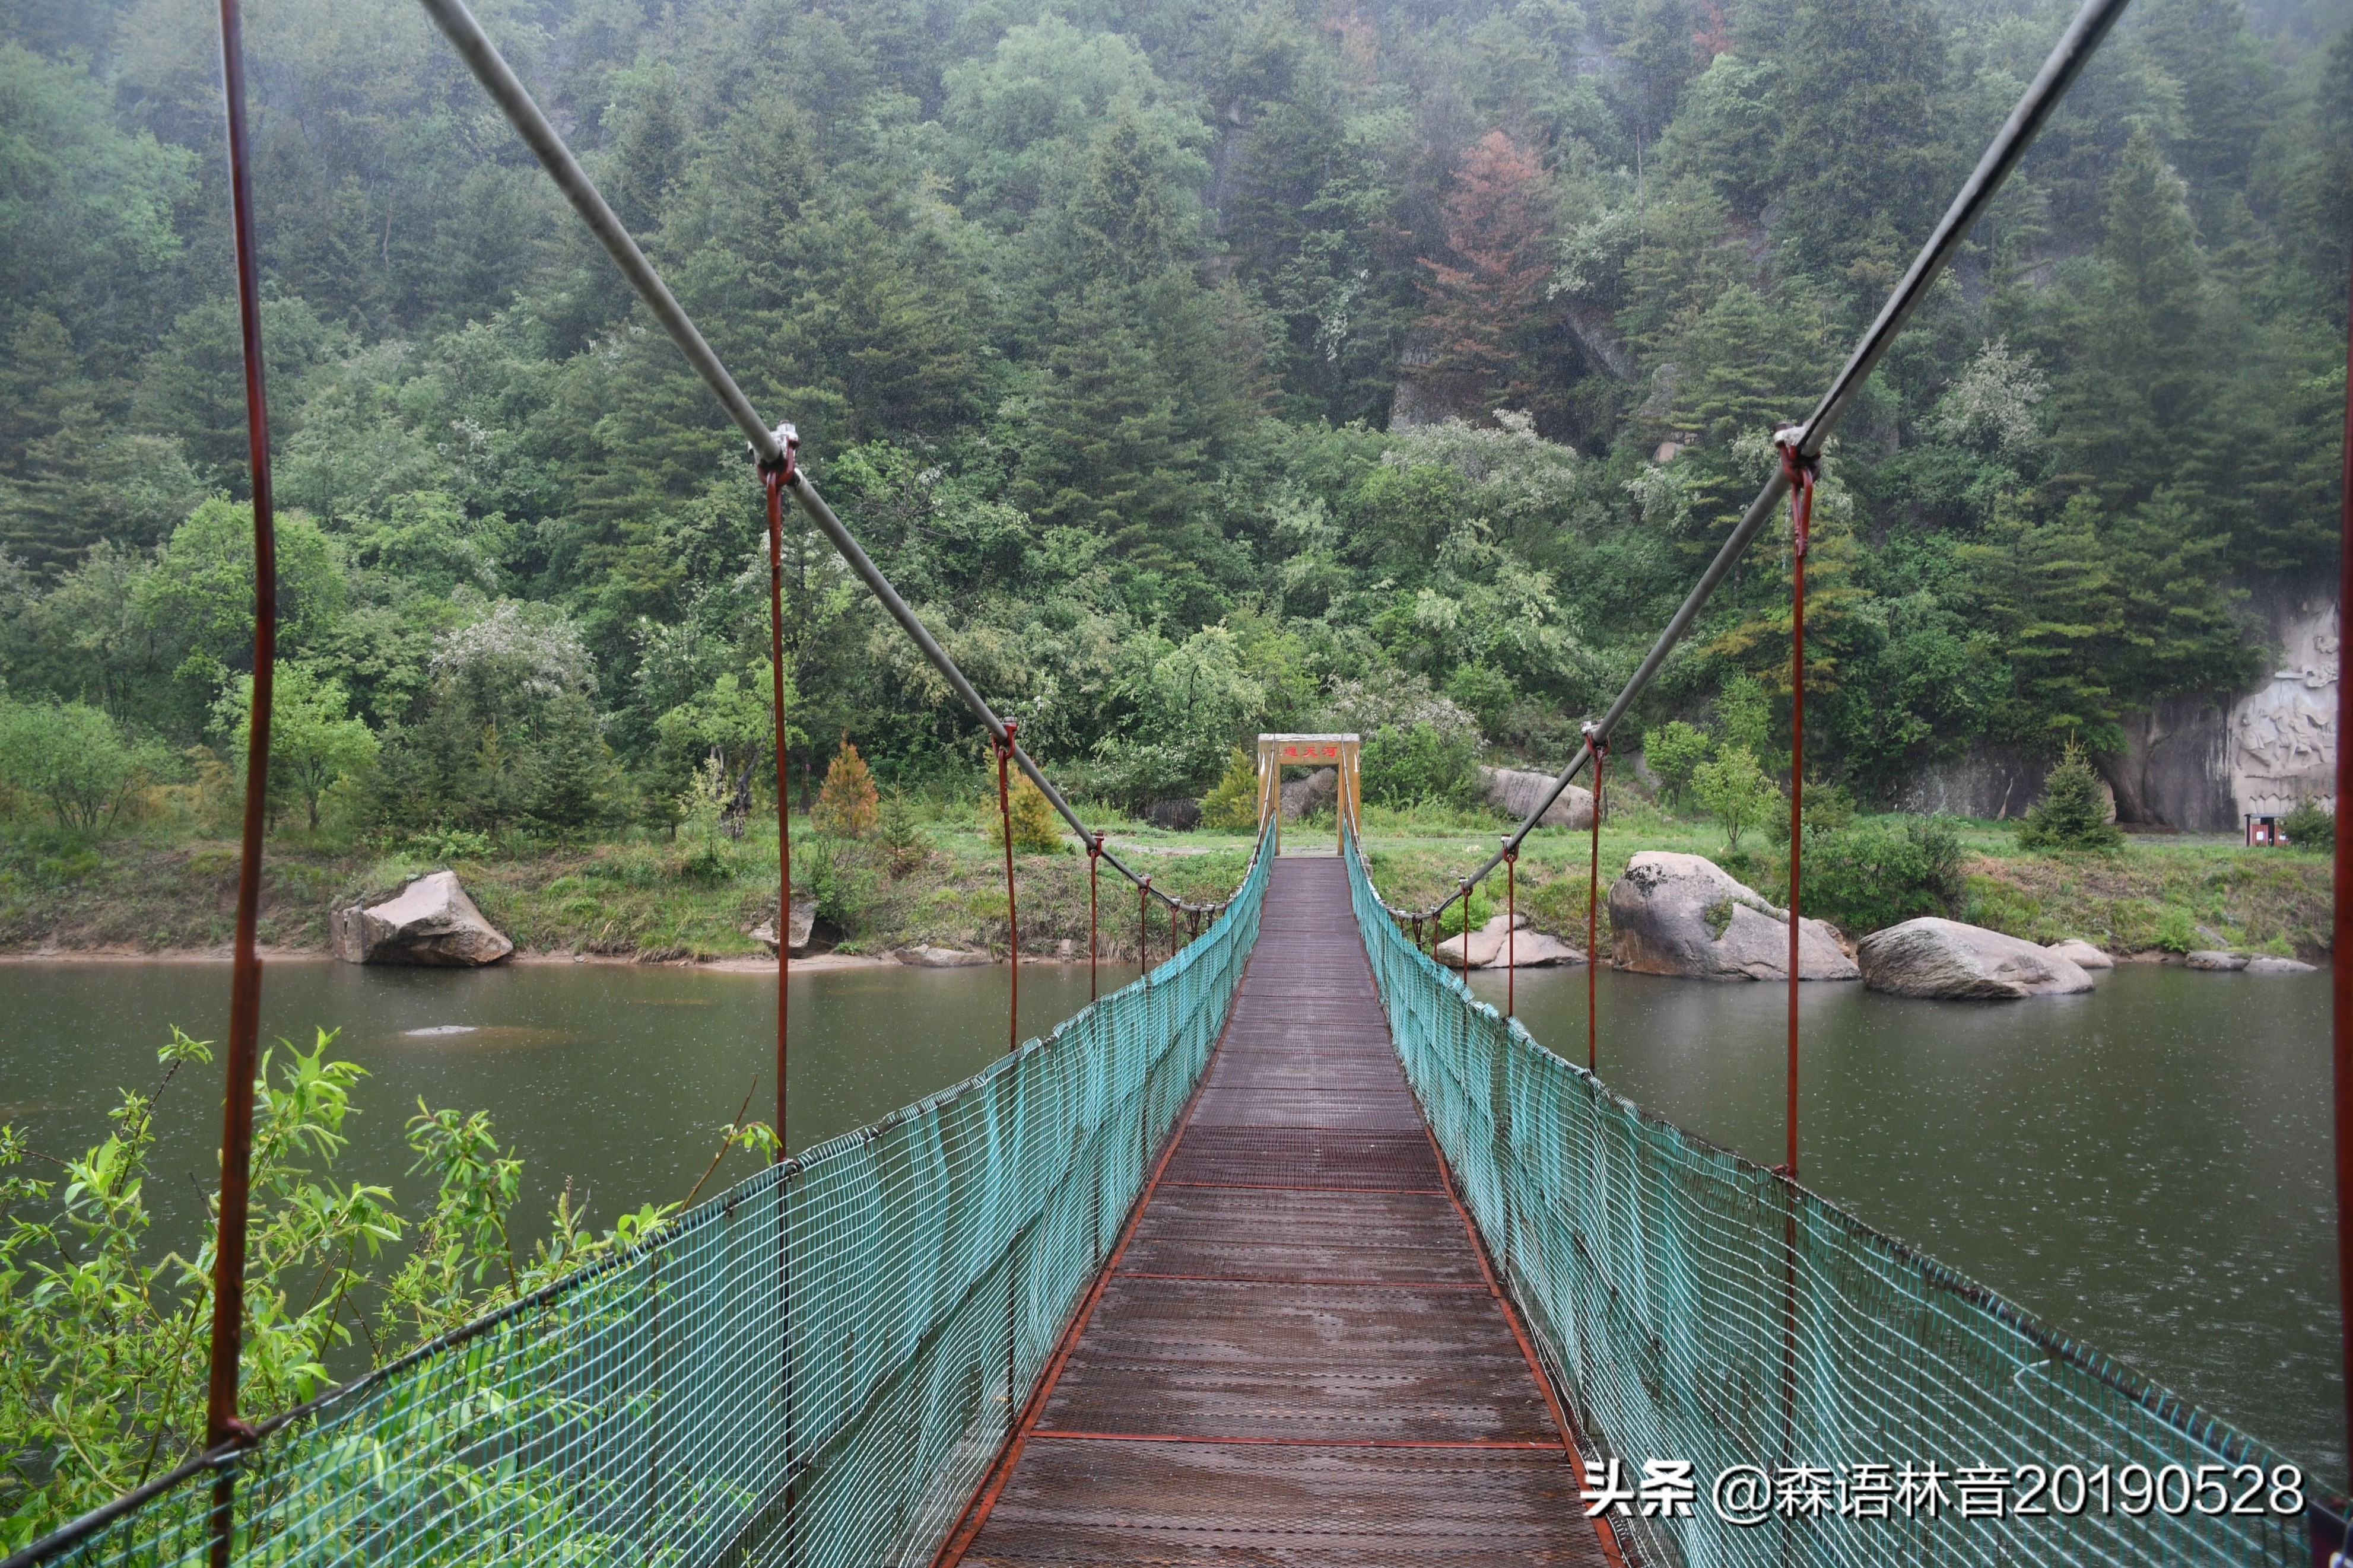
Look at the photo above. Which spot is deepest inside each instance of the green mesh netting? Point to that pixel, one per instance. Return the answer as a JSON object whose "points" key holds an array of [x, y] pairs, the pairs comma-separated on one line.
{"points": [[1695, 1306], [816, 1367]]}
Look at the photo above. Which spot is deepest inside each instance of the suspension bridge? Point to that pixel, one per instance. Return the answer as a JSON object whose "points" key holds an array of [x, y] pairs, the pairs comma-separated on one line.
{"points": [[1291, 1251]]}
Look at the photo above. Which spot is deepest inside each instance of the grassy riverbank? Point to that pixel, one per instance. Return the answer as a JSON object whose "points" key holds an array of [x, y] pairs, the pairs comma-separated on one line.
{"points": [[649, 898], [662, 900], [2169, 893]]}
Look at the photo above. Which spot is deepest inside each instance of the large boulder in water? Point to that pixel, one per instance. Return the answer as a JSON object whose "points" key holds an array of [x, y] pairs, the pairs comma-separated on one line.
{"points": [[1489, 950], [430, 921], [1516, 791], [1947, 961], [1680, 914]]}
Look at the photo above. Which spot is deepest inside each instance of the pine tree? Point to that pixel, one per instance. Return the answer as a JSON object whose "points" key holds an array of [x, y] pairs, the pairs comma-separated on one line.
{"points": [[1037, 829], [2047, 589], [1485, 315], [2072, 814], [902, 837], [649, 157], [1233, 803], [2137, 386], [1123, 227], [2225, 84], [1859, 100], [848, 807]]}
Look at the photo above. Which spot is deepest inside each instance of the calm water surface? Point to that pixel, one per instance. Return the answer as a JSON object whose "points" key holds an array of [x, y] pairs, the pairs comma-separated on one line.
{"points": [[616, 1077], [2146, 1167]]}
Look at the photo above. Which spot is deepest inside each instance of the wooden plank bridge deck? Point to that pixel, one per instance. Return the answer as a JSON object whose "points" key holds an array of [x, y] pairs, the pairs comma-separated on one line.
{"points": [[1296, 1355]]}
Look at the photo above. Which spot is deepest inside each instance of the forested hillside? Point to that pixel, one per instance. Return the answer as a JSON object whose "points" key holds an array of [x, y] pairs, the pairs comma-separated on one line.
{"points": [[1196, 367]]}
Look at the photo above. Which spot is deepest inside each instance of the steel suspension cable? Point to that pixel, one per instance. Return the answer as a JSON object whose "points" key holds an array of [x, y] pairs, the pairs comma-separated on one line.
{"points": [[222, 1423], [2066, 62], [1798, 471], [1593, 921], [1012, 916], [773, 480], [490, 67], [1095, 858], [1510, 931]]}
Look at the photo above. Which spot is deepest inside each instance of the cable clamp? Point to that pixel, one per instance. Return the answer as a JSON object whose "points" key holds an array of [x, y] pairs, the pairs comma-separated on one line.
{"points": [[788, 442], [1801, 470]]}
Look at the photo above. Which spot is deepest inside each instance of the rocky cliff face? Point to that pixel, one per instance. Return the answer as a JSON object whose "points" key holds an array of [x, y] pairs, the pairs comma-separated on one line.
{"points": [[2281, 742], [2194, 761], [2200, 760]]}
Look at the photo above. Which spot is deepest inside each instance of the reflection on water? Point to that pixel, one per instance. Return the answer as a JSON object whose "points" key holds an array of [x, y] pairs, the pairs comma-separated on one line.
{"points": [[615, 1077], [2146, 1167]]}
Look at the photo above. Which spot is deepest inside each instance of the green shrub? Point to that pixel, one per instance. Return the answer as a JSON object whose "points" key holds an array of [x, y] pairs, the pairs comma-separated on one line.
{"points": [[2072, 814], [2309, 828], [1829, 809], [1736, 792], [1037, 826], [2177, 929], [835, 873], [1879, 873], [1673, 752], [450, 844], [1404, 766], [1233, 803], [75, 759]]}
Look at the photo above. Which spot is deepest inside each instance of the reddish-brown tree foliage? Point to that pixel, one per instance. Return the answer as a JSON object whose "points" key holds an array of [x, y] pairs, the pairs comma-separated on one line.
{"points": [[1486, 311]]}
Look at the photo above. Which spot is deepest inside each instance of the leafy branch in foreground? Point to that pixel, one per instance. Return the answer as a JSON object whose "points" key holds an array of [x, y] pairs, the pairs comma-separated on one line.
{"points": [[103, 1344]]}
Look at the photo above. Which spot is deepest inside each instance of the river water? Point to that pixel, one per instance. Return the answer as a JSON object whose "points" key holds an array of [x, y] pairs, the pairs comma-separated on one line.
{"points": [[2146, 1167], [615, 1077]]}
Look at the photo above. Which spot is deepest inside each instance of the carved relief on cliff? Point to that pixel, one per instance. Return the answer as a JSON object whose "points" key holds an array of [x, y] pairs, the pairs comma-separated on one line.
{"points": [[2282, 745]]}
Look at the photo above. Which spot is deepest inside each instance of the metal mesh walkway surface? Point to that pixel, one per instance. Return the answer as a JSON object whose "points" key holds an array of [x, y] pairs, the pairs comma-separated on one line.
{"points": [[1296, 1355]]}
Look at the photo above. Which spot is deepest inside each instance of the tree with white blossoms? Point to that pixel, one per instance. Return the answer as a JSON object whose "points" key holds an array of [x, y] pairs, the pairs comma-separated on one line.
{"points": [[509, 731], [1990, 405]]}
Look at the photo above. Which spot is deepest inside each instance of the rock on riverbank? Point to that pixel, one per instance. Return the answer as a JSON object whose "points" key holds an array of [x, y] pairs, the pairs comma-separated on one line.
{"points": [[431, 921], [804, 923], [1682, 914], [1516, 791], [1489, 950]]}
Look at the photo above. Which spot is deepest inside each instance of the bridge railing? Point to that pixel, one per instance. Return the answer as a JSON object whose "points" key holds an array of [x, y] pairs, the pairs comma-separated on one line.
{"points": [[816, 1368], [1691, 1305]]}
